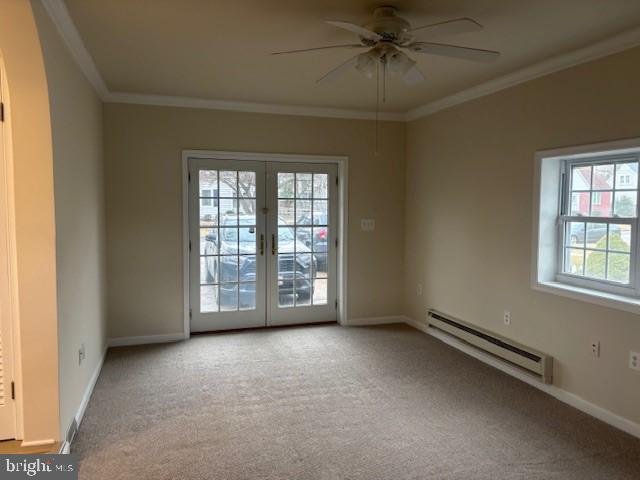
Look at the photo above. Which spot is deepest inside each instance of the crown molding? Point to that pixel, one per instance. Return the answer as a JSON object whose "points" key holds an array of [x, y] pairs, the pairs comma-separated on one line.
{"points": [[301, 111], [60, 16], [618, 43]]}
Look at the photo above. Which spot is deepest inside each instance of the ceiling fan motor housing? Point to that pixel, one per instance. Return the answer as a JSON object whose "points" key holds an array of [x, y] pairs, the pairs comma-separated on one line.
{"points": [[388, 25]]}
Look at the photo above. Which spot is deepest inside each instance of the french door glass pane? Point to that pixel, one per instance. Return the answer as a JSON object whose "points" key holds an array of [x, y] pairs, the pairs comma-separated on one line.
{"points": [[227, 200], [303, 236], [209, 298], [286, 188]]}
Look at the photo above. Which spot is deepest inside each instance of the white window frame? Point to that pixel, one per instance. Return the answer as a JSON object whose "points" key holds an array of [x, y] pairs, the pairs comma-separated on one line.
{"points": [[551, 203], [630, 289]]}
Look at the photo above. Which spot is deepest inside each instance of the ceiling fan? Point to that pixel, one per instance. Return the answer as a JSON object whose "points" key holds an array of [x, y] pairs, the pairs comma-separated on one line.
{"points": [[385, 37]]}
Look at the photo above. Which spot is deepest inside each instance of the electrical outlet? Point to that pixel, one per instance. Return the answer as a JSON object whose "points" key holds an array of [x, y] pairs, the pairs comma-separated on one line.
{"points": [[419, 289], [634, 360], [507, 317], [81, 354], [595, 348], [367, 224]]}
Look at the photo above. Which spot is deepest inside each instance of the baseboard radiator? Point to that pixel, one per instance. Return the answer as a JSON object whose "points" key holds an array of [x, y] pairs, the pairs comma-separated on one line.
{"points": [[537, 363]]}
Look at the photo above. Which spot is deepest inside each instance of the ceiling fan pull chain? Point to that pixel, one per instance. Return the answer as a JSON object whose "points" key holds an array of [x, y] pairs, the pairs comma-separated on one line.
{"points": [[384, 80], [377, 105]]}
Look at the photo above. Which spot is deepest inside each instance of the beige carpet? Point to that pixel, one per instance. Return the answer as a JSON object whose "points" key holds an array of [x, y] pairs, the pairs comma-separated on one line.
{"points": [[325, 402]]}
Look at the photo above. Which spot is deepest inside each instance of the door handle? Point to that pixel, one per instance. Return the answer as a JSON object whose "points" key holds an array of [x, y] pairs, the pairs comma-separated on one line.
{"points": [[261, 244], [273, 244]]}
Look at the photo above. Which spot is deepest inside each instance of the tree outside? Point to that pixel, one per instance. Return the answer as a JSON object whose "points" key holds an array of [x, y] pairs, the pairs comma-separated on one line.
{"points": [[595, 264]]}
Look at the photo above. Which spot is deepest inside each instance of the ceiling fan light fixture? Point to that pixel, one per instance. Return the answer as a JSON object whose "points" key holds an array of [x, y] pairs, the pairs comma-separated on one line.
{"points": [[367, 63], [399, 63]]}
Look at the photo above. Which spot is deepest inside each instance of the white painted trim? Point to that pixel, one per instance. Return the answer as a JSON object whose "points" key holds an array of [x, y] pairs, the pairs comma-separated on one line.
{"points": [[620, 146], [596, 297], [360, 322], [250, 107], [82, 408], [38, 443], [571, 399], [64, 23], [343, 242], [7, 218], [264, 157], [618, 43], [343, 169], [145, 339], [89, 389], [61, 18], [186, 308]]}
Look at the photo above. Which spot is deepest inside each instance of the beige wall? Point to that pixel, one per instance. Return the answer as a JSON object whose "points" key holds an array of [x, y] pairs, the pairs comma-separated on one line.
{"points": [[31, 157], [76, 121], [469, 219], [144, 205]]}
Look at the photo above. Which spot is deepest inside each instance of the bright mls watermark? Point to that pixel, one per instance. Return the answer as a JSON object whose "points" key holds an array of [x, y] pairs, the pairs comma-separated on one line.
{"points": [[54, 467]]}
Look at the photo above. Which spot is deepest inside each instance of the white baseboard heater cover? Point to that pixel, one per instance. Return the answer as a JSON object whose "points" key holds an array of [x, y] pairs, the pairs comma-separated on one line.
{"points": [[535, 362]]}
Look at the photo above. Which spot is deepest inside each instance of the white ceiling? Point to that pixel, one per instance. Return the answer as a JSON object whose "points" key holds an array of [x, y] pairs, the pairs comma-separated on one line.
{"points": [[221, 49]]}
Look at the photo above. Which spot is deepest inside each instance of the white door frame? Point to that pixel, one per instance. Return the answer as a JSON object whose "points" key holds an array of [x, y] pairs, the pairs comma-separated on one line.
{"points": [[343, 197], [7, 231]]}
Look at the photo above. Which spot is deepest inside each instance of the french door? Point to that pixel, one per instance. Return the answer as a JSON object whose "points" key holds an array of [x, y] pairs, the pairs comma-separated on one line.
{"points": [[263, 243]]}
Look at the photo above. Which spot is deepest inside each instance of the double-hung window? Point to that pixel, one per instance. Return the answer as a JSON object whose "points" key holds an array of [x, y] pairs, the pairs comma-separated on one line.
{"points": [[599, 222], [586, 233]]}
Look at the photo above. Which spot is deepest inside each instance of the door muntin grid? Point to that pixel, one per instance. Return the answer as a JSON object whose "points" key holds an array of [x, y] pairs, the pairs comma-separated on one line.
{"points": [[303, 235], [228, 240]]}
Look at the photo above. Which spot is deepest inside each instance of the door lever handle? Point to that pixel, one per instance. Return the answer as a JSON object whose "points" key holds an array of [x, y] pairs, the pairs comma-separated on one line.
{"points": [[261, 244], [273, 244]]}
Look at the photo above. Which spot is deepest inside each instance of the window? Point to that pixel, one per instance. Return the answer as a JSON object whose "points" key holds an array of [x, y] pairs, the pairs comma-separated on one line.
{"points": [[587, 222], [598, 219]]}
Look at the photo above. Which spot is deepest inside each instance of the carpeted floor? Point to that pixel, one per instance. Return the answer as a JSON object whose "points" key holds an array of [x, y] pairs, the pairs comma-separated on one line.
{"points": [[325, 402]]}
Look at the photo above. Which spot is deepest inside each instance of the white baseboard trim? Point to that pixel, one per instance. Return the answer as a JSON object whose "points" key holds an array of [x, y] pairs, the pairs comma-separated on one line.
{"points": [[38, 443], [82, 408], [89, 390], [571, 399], [360, 322], [145, 339]]}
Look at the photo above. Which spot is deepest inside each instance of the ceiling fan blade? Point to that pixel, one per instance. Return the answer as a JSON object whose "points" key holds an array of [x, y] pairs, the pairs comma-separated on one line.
{"points": [[413, 76], [328, 47], [465, 53], [450, 27], [352, 27], [339, 70]]}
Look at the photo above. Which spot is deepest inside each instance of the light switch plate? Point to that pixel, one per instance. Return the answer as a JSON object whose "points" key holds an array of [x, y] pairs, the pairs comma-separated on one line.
{"points": [[367, 224], [634, 360]]}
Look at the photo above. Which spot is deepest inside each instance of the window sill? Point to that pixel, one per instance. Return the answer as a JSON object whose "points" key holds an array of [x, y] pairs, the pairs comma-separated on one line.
{"points": [[605, 299]]}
